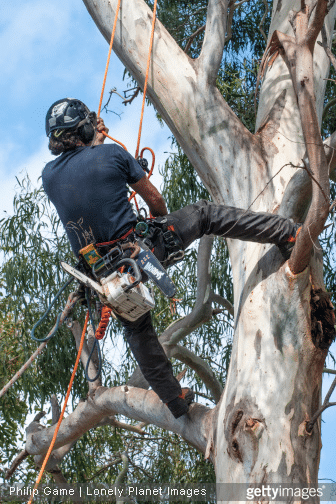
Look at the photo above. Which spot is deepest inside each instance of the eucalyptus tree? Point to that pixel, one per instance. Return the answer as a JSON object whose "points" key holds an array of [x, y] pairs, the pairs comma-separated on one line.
{"points": [[264, 427]]}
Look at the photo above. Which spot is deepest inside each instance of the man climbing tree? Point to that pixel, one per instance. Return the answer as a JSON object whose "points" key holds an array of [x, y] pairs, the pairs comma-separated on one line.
{"points": [[87, 185], [264, 426]]}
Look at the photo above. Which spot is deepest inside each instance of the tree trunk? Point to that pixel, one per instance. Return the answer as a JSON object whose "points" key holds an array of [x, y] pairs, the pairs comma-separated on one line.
{"points": [[274, 381]]}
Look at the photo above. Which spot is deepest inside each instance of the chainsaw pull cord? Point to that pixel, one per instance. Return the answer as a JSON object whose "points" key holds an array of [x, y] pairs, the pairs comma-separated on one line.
{"points": [[32, 333], [45, 461], [95, 344]]}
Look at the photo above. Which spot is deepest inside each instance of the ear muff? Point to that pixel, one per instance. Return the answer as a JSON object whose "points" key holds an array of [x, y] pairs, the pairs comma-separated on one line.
{"points": [[86, 132]]}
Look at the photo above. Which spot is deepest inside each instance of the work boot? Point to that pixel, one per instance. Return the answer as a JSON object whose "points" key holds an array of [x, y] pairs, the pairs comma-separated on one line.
{"points": [[180, 405], [287, 247]]}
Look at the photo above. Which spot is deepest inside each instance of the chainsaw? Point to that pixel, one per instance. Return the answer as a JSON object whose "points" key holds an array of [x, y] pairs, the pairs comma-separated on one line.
{"points": [[122, 291], [121, 288]]}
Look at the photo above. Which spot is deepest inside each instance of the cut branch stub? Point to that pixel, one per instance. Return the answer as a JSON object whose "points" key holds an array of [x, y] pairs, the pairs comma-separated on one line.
{"points": [[243, 428]]}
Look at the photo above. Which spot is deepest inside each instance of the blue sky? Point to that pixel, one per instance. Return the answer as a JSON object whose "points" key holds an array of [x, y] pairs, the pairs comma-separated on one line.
{"points": [[51, 50]]}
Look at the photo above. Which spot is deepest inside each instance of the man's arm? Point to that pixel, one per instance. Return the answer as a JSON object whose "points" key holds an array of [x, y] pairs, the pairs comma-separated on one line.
{"points": [[151, 196]]}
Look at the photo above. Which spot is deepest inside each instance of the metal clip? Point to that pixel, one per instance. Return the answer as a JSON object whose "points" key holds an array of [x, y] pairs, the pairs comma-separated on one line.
{"points": [[176, 256]]}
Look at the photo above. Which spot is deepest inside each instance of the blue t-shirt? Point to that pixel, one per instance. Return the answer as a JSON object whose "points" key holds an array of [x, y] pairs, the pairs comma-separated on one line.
{"points": [[87, 185]]}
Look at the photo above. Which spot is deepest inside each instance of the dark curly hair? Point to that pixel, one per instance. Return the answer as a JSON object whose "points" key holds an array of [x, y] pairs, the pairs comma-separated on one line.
{"points": [[66, 141]]}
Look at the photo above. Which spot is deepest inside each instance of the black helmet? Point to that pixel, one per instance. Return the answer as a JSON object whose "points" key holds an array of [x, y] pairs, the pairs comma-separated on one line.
{"points": [[66, 114]]}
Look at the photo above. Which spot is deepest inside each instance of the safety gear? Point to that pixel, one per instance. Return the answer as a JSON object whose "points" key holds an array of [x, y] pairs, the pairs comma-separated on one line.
{"points": [[161, 236], [71, 114], [180, 405]]}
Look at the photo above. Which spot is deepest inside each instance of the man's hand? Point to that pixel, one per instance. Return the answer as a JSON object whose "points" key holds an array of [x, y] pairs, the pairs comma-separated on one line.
{"points": [[100, 137]]}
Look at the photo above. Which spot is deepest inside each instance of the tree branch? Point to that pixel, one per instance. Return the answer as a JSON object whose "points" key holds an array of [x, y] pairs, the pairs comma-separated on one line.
{"points": [[326, 47], [263, 21], [214, 39], [142, 405], [316, 23], [216, 298], [326, 404], [331, 371], [298, 55], [203, 370], [16, 463], [202, 310], [55, 410], [111, 420], [122, 474], [191, 38]]}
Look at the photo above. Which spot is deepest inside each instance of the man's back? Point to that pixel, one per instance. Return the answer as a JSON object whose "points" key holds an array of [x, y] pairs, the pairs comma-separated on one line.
{"points": [[87, 185]]}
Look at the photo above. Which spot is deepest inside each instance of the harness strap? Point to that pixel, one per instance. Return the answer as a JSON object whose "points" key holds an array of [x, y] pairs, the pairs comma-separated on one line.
{"points": [[104, 244]]}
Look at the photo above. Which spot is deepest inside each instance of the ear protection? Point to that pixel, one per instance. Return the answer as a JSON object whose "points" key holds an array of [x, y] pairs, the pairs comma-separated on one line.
{"points": [[87, 130]]}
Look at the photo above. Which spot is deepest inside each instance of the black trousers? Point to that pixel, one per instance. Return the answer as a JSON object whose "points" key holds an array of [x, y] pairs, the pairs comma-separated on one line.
{"points": [[191, 223]]}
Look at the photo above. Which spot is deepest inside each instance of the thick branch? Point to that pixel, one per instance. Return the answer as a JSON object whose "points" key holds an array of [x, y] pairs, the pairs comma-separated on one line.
{"points": [[316, 22], [201, 313], [214, 40], [298, 56], [142, 405], [203, 370]]}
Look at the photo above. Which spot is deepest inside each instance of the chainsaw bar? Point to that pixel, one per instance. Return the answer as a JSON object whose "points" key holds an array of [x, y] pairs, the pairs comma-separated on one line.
{"points": [[82, 278], [150, 265]]}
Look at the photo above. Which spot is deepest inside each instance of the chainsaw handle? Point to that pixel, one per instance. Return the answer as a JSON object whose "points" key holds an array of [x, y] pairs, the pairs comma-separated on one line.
{"points": [[130, 262]]}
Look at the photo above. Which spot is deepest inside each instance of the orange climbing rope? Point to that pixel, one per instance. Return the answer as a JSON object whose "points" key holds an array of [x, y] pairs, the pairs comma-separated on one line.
{"points": [[106, 70], [146, 77], [106, 312], [46, 458]]}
